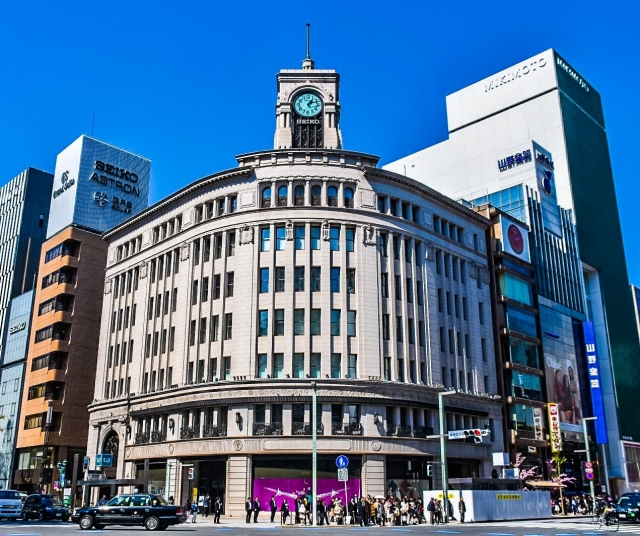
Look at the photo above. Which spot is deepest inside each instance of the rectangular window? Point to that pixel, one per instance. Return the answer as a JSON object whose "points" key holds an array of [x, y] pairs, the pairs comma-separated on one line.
{"points": [[397, 245], [352, 366], [231, 243], [421, 335], [280, 278], [298, 279], [452, 342], [206, 249], [467, 346], [315, 237], [315, 366], [298, 321], [213, 368], [386, 330], [316, 321], [281, 238], [228, 326], [443, 341], [384, 244], [481, 312], [264, 280], [215, 325], [448, 302], [216, 287], [483, 347], [387, 368], [456, 305], [515, 288], [351, 323], [299, 232], [217, 246], [335, 279], [521, 321], [316, 272], [262, 365], [335, 321], [399, 332], [263, 325], [194, 292], [226, 367], [439, 261], [465, 311], [350, 236], [149, 312], [204, 291], [412, 331], [165, 303], [335, 365], [398, 287], [265, 239], [298, 365], [409, 290], [229, 286], [163, 342], [174, 300], [158, 304], [172, 338], [420, 293], [278, 368], [155, 343], [351, 280], [147, 345], [334, 238], [384, 284], [203, 331], [278, 322], [400, 370], [192, 333], [196, 252]]}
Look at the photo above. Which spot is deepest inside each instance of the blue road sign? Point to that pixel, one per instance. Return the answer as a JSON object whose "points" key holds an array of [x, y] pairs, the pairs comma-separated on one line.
{"points": [[104, 460], [342, 462]]}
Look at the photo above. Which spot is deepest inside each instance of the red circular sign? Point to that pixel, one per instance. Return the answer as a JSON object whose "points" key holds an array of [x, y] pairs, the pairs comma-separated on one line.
{"points": [[516, 240]]}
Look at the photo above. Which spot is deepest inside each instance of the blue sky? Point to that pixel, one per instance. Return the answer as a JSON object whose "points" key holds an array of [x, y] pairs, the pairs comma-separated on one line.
{"points": [[192, 84]]}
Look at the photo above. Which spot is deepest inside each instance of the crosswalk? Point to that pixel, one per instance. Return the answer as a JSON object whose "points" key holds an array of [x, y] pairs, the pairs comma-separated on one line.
{"points": [[563, 528]]}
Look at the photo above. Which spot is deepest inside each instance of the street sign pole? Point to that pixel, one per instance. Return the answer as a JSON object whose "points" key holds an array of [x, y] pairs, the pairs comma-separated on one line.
{"points": [[443, 454], [74, 480], [586, 446], [314, 452]]}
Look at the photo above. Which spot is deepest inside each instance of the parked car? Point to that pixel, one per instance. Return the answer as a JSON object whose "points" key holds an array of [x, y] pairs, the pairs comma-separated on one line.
{"points": [[10, 504], [44, 508], [628, 507], [132, 509]]}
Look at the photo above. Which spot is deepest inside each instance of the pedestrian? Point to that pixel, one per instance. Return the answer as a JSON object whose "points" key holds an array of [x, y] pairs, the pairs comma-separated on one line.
{"points": [[172, 500], [273, 507], [217, 510], [380, 513], [462, 508], [438, 511], [302, 510], [256, 509], [248, 506], [284, 512], [431, 508], [206, 504], [321, 508], [194, 511], [188, 510], [103, 501]]}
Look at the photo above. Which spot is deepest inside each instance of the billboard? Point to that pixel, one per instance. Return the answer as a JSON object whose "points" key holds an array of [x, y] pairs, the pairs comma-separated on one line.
{"points": [[545, 176], [515, 239], [97, 186], [555, 435], [595, 383]]}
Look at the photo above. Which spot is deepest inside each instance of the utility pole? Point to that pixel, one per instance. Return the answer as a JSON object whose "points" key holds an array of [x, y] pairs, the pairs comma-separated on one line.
{"points": [[586, 446], [443, 453], [314, 452]]}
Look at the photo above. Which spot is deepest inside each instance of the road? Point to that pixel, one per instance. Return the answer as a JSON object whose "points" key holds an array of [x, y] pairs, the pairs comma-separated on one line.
{"points": [[551, 527]]}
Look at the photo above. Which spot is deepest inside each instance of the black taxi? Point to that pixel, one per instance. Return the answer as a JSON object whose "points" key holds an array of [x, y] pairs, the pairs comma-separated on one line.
{"points": [[131, 509]]}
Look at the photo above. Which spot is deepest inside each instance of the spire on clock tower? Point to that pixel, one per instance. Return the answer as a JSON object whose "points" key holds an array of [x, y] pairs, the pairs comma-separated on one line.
{"points": [[308, 108], [308, 63]]}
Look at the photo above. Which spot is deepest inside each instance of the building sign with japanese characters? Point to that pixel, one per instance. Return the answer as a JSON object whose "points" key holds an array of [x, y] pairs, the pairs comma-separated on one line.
{"points": [[513, 161], [537, 424], [595, 383], [555, 435]]}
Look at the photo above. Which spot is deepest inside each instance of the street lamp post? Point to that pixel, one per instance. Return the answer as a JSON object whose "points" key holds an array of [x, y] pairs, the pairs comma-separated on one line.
{"points": [[443, 453], [586, 446], [314, 452]]}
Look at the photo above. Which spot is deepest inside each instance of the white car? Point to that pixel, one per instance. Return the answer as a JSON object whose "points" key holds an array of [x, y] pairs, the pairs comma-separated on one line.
{"points": [[10, 504]]}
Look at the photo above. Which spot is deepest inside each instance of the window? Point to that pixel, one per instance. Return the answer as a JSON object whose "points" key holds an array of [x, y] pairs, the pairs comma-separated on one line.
{"points": [[524, 353], [399, 333], [456, 305], [335, 365], [421, 335], [263, 325], [316, 321], [215, 324], [316, 196], [299, 232], [172, 338], [335, 279], [147, 345], [521, 321], [397, 287], [33, 421], [467, 346], [206, 250], [196, 252], [409, 290], [231, 243], [384, 284], [407, 251], [229, 287], [265, 239], [298, 279], [266, 197], [174, 301], [332, 196], [216, 287], [384, 244], [262, 365], [351, 323], [228, 326], [159, 304], [465, 311], [452, 342], [149, 312], [412, 331], [448, 301], [204, 291], [192, 333], [397, 244], [299, 195], [386, 330], [447, 265], [165, 304], [481, 312], [420, 292], [282, 196], [352, 366], [278, 322], [203, 331], [483, 347], [279, 282], [351, 280], [315, 366], [350, 236], [315, 237], [348, 197], [382, 199], [526, 386], [226, 367], [387, 368], [281, 238], [298, 321], [194, 292], [334, 238], [515, 288], [335, 321], [298, 365], [315, 278], [217, 246], [400, 370], [278, 370], [264, 280]]}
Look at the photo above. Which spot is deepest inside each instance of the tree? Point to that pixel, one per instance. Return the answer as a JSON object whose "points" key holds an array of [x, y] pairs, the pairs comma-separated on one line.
{"points": [[525, 473], [554, 467]]}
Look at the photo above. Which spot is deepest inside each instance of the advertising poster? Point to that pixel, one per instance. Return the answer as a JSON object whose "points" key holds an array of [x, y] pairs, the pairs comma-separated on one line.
{"points": [[563, 388], [555, 435], [515, 239], [595, 383]]}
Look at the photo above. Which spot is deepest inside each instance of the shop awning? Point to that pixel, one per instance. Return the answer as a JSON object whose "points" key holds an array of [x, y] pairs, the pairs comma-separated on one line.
{"points": [[543, 484]]}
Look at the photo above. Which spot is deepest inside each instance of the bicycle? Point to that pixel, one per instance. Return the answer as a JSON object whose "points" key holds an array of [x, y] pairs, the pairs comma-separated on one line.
{"points": [[607, 518]]}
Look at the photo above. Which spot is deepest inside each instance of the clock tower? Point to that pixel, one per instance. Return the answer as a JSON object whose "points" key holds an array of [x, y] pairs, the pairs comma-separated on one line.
{"points": [[308, 109]]}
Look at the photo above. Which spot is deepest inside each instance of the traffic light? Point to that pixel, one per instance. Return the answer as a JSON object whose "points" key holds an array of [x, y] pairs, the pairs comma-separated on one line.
{"points": [[429, 470], [475, 433], [192, 472]]}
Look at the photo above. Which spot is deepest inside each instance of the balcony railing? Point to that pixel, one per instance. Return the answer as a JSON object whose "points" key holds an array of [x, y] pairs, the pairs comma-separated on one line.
{"points": [[214, 430], [398, 430], [422, 431], [264, 429], [190, 432], [304, 428], [142, 438], [350, 428], [158, 436]]}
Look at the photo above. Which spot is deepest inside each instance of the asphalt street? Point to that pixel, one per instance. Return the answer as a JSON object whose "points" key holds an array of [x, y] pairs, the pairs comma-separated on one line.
{"points": [[551, 527]]}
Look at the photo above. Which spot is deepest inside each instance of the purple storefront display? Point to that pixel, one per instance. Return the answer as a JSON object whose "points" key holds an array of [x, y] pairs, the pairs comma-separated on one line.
{"points": [[291, 488]]}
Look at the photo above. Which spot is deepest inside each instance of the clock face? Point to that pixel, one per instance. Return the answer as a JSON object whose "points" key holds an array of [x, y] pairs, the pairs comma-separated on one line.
{"points": [[308, 105]]}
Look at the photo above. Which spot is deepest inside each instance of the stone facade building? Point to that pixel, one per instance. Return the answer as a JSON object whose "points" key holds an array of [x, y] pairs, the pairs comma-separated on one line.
{"points": [[306, 264]]}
